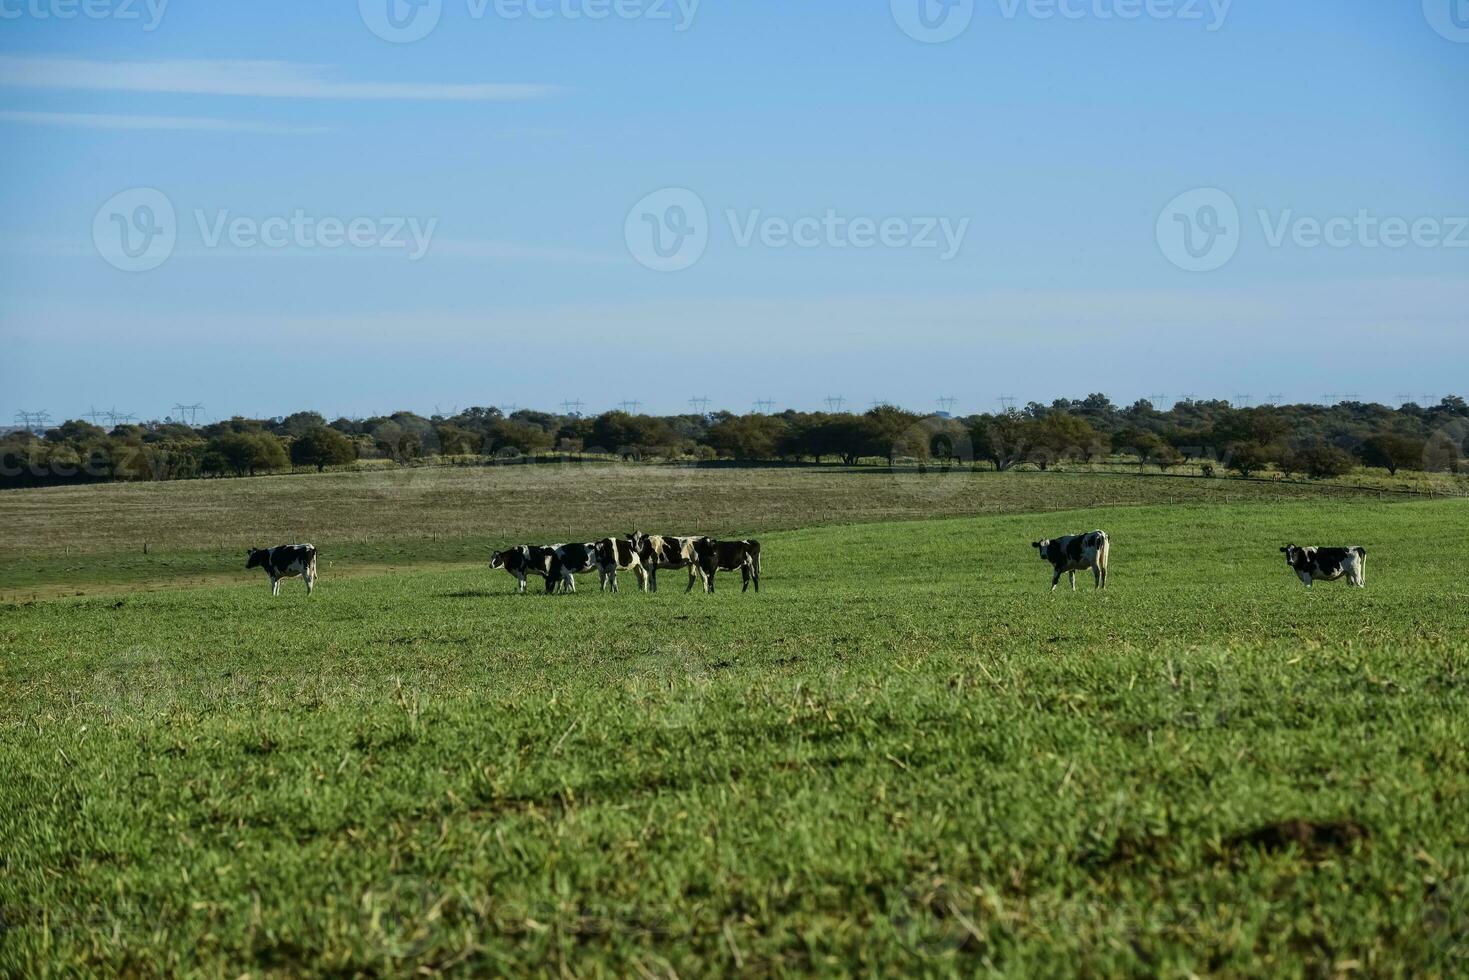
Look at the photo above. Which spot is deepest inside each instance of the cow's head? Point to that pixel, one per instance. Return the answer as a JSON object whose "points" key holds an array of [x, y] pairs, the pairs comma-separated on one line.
{"points": [[703, 552], [1293, 556], [255, 558], [1042, 547], [497, 560]]}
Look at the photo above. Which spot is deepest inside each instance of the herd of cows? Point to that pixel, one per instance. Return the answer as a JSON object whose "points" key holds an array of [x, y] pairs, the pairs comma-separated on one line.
{"points": [[645, 554], [642, 554]]}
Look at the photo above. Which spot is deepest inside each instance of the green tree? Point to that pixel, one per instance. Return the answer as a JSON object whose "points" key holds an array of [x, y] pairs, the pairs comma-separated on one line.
{"points": [[322, 447], [1003, 439], [1247, 458], [1393, 451]]}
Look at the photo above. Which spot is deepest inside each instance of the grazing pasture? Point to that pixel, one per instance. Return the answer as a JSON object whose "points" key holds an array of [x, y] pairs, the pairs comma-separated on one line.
{"points": [[903, 756], [85, 539]]}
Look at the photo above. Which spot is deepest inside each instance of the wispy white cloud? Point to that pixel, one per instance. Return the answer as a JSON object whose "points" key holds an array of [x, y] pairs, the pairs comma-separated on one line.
{"points": [[90, 120], [264, 79]]}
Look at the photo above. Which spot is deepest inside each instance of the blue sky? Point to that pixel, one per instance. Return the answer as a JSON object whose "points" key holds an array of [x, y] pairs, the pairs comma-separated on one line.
{"points": [[1058, 139]]}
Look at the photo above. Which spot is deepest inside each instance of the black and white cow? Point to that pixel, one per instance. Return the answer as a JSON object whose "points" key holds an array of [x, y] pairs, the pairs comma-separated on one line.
{"points": [[726, 556], [528, 559], [614, 554], [285, 561], [573, 560], [1328, 564], [666, 551], [1074, 552]]}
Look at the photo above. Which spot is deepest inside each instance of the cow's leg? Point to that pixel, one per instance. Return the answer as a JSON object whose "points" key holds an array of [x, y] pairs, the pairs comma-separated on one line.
{"points": [[568, 582], [642, 574], [692, 573], [1097, 575], [1056, 580], [310, 582], [1305, 578], [745, 577], [1071, 574]]}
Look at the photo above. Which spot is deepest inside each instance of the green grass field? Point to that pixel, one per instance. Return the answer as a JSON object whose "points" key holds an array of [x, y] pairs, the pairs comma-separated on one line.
{"points": [[92, 539], [904, 756]]}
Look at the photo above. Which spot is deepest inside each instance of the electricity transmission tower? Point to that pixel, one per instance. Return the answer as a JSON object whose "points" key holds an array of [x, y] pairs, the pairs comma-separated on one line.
{"points": [[116, 418], [835, 403], [1330, 398], [1243, 401], [700, 405], [189, 411], [1274, 400], [947, 403], [509, 410], [764, 406], [1007, 402], [573, 407], [36, 422], [1403, 399], [631, 406]]}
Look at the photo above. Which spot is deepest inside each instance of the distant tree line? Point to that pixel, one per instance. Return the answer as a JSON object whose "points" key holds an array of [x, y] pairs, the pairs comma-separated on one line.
{"points": [[1213, 436]]}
